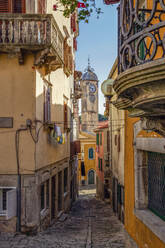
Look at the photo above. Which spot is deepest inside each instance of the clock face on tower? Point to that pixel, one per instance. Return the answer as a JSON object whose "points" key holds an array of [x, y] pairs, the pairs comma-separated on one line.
{"points": [[92, 88]]}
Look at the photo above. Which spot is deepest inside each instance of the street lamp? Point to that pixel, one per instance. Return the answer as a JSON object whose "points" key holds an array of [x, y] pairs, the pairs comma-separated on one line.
{"points": [[107, 90]]}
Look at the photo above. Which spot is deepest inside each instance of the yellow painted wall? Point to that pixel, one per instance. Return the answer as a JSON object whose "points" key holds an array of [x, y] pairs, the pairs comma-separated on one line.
{"points": [[138, 231], [89, 164], [17, 98]]}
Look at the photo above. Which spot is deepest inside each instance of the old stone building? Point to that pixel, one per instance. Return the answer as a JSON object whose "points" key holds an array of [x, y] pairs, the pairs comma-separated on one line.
{"points": [[37, 47]]}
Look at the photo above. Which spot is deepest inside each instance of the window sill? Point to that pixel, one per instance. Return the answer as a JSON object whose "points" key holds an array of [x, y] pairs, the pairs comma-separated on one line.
{"points": [[153, 222]]}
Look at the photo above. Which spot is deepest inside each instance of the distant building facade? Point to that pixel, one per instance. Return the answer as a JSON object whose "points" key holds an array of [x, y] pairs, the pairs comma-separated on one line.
{"points": [[102, 161]]}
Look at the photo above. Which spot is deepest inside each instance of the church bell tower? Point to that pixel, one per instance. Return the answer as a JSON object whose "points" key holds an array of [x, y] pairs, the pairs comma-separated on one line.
{"points": [[89, 100]]}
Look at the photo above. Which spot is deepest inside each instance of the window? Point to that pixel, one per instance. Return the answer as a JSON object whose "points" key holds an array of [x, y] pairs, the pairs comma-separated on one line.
{"points": [[44, 194], [97, 139], [47, 104], [90, 153], [65, 116], [41, 6], [101, 139], [82, 169], [9, 6], [156, 183], [47, 193], [68, 59], [42, 197], [100, 164], [65, 180], [8, 201]]}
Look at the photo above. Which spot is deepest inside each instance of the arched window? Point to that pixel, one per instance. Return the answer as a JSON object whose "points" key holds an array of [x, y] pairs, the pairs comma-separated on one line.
{"points": [[91, 153]]}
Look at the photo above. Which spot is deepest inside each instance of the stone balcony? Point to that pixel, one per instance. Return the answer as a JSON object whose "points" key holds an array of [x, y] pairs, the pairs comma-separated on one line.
{"points": [[140, 85], [39, 34]]}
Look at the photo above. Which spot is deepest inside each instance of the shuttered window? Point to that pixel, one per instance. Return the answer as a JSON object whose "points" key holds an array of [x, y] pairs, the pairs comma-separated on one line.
{"points": [[5, 6], [97, 139], [101, 139], [47, 104], [65, 116], [41, 6], [12, 6], [19, 6]]}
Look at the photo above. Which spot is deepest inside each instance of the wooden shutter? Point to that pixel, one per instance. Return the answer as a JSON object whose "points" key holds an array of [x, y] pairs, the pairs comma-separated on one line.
{"points": [[41, 6], [18, 6], [65, 116], [45, 106], [48, 104], [73, 22], [11, 203], [5, 6], [97, 139]]}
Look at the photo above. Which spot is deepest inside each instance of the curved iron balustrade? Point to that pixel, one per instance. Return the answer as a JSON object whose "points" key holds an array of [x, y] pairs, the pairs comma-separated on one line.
{"points": [[141, 33]]}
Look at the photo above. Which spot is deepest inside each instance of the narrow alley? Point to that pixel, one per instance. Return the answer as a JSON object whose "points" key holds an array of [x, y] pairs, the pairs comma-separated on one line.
{"points": [[90, 224]]}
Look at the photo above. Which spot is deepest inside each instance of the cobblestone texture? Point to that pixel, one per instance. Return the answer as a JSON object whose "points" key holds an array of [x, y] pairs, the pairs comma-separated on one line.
{"points": [[90, 224]]}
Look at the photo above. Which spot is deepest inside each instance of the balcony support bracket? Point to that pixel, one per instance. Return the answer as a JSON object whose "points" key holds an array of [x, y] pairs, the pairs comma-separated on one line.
{"points": [[156, 125]]}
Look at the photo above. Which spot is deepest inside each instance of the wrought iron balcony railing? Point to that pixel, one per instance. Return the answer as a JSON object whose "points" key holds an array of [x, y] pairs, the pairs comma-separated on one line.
{"points": [[141, 32], [32, 32]]}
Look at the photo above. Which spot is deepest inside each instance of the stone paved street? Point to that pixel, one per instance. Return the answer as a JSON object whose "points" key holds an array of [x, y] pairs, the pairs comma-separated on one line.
{"points": [[90, 224]]}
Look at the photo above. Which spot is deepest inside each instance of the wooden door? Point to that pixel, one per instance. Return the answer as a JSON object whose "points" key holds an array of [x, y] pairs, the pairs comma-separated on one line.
{"points": [[91, 177]]}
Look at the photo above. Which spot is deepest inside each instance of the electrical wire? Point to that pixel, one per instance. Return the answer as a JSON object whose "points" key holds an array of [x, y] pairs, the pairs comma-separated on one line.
{"points": [[35, 139]]}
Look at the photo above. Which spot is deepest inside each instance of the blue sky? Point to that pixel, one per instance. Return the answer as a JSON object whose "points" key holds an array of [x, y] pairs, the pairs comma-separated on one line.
{"points": [[98, 39]]}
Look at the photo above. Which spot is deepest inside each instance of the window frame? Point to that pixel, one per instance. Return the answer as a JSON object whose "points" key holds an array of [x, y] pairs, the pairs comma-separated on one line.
{"points": [[65, 115], [65, 180], [141, 210], [47, 104], [44, 202], [10, 4], [3, 212], [101, 139], [91, 148]]}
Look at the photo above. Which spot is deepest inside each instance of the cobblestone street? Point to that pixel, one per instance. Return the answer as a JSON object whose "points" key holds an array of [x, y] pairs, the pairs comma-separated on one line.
{"points": [[90, 224]]}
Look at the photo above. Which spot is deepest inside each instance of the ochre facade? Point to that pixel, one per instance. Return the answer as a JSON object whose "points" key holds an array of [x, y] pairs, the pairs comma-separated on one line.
{"points": [[87, 141], [140, 232]]}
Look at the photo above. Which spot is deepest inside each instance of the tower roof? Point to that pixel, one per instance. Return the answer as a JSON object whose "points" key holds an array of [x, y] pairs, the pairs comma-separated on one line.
{"points": [[89, 74]]}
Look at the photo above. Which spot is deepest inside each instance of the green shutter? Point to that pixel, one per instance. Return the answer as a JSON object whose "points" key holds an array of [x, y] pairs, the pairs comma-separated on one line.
{"points": [[97, 139], [100, 138]]}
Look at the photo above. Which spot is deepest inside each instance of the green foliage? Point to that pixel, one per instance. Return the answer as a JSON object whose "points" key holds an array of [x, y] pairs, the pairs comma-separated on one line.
{"points": [[83, 12], [102, 117]]}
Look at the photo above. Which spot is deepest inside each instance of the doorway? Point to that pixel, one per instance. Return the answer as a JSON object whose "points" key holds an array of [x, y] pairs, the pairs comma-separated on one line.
{"points": [[53, 192], [91, 177]]}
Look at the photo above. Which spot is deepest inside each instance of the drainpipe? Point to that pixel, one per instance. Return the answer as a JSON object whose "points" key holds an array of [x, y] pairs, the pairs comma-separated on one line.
{"points": [[18, 225]]}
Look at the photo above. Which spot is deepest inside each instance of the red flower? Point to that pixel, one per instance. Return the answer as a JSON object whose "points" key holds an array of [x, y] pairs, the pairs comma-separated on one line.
{"points": [[81, 5], [54, 7]]}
